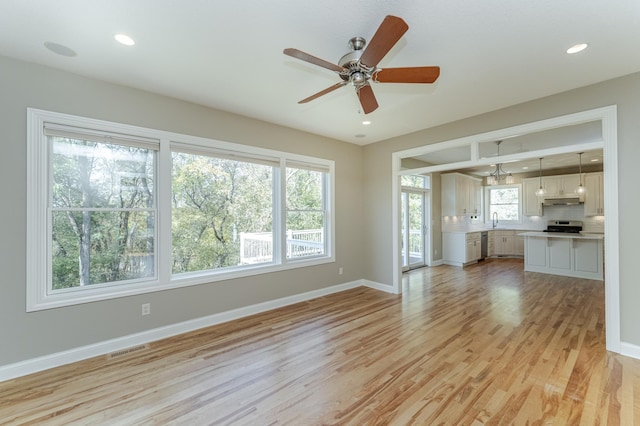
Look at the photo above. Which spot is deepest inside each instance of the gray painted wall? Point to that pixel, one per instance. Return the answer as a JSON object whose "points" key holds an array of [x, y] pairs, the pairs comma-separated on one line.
{"points": [[624, 91], [28, 335]]}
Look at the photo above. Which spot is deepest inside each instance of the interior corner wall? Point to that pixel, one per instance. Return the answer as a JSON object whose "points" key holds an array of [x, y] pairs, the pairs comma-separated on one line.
{"points": [[25, 336], [623, 92]]}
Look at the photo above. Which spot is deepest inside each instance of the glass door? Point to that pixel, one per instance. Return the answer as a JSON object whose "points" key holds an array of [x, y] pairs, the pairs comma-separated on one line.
{"points": [[414, 229]]}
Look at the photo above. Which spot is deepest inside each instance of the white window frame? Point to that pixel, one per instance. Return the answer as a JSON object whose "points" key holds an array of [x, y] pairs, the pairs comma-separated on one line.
{"points": [[286, 210], [39, 236], [487, 209]]}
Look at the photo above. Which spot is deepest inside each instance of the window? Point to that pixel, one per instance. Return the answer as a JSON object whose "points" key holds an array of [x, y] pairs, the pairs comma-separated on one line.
{"points": [[416, 181], [222, 210], [306, 213], [116, 210], [102, 211], [504, 201]]}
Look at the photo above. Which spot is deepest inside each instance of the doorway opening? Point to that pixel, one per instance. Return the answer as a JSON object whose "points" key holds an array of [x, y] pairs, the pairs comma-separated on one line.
{"points": [[468, 152]]}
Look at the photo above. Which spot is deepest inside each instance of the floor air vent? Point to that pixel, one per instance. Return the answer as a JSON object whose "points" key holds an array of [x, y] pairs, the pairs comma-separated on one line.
{"points": [[123, 352]]}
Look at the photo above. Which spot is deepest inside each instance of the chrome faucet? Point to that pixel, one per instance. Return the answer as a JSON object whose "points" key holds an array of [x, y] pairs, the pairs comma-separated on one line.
{"points": [[494, 219]]}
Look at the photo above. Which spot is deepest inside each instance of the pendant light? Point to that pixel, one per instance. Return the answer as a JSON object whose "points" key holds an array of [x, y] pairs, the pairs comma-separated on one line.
{"points": [[581, 190], [498, 174], [540, 191]]}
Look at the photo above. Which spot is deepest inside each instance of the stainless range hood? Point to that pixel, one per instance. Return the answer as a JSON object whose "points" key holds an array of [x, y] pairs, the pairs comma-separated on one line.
{"points": [[564, 201]]}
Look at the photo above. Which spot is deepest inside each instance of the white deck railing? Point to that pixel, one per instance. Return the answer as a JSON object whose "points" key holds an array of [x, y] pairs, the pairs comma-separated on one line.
{"points": [[257, 247]]}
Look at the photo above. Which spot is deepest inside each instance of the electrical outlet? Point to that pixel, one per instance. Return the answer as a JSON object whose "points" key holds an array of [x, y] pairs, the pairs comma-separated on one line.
{"points": [[340, 271], [146, 308]]}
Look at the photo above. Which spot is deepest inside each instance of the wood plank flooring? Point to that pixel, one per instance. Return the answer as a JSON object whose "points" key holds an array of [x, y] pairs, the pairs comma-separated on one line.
{"points": [[487, 344]]}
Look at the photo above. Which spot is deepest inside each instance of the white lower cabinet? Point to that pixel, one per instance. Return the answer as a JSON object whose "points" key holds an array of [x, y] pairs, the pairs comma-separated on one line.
{"points": [[505, 242], [588, 257], [535, 257], [518, 244], [559, 253], [578, 256], [473, 251], [460, 248]]}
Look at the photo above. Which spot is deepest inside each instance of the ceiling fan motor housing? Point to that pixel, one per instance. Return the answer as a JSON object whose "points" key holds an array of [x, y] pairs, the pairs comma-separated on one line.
{"points": [[356, 73]]}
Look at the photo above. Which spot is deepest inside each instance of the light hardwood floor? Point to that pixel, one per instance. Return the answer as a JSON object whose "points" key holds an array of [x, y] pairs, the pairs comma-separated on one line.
{"points": [[487, 344]]}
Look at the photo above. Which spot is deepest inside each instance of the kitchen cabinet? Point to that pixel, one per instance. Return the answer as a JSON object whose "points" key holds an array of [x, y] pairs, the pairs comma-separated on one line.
{"points": [[594, 198], [561, 186], [555, 187], [491, 246], [460, 248], [572, 255], [461, 195], [559, 252], [588, 257], [475, 197], [535, 257], [503, 243], [532, 204], [473, 246], [518, 245]]}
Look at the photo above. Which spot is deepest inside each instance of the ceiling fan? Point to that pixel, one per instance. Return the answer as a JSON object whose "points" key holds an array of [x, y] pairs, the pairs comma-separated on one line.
{"points": [[358, 67]]}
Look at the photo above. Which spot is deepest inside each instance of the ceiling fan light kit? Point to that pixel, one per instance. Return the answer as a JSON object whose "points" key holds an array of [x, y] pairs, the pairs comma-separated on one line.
{"points": [[358, 67]]}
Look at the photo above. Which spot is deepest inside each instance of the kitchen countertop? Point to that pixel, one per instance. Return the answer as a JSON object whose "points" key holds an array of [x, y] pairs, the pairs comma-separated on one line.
{"points": [[585, 236], [470, 231]]}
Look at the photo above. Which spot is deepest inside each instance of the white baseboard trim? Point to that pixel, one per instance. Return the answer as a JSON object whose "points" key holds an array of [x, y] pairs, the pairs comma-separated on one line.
{"points": [[22, 368], [381, 287], [630, 350], [437, 263]]}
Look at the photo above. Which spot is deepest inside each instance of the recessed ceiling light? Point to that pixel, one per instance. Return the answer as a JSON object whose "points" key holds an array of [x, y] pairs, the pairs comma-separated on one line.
{"points": [[360, 135], [525, 168], [595, 160], [124, 39], [577, 48], [366, 122], [59, 49]]}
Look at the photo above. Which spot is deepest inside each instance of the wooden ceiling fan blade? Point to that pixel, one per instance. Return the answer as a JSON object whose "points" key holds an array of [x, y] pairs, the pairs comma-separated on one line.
{"points": [[407, 75], [387, 35], [367, 99], [323, 92], [299, 54]]}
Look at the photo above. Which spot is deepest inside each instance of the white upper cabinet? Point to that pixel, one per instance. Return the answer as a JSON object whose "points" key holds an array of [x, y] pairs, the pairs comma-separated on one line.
{"points": [[461, 195], [594, 198], [561, 186], [532, 204]]}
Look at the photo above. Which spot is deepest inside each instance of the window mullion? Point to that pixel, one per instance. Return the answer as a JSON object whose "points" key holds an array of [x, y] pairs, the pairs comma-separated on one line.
{"points": [[163, 203], [280, 215]]}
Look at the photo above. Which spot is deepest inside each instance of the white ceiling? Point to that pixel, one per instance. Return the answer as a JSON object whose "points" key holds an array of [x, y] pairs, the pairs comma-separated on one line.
{"points": [[228, 54]]}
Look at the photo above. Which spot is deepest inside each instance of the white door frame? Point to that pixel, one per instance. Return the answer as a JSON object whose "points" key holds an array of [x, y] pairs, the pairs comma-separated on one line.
{"points": [[608, 117]]}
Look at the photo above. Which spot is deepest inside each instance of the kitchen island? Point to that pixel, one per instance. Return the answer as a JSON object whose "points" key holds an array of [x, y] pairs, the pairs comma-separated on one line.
{"points": [[573, 255]]}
